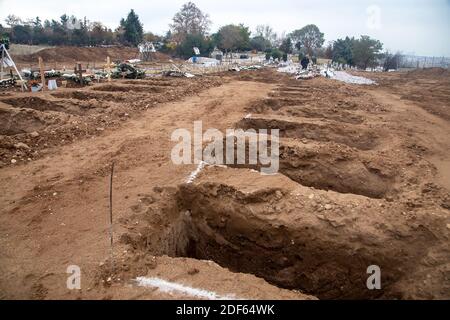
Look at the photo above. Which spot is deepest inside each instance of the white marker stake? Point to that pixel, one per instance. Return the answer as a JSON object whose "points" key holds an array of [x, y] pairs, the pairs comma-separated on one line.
{"points": [[173, 287]]}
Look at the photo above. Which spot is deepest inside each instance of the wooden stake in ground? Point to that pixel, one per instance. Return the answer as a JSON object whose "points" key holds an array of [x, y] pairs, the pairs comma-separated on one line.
{"points": [[3, 57], [41, 72], [108, 68], [79, 71], [111, 214]]}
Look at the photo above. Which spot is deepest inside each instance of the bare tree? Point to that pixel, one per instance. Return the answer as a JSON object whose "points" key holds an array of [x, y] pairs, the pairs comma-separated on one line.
{"points": [[146, 49], [280, 38], [392, 61], [189, 20], [12, 20], [267, 33]]}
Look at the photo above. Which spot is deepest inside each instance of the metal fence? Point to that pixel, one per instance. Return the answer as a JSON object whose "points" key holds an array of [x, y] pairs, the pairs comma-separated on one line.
{"points": [[410, 61]]}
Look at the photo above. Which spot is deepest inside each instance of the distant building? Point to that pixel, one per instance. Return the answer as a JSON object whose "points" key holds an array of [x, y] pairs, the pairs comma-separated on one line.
{"points": [[73, 23], [217, 54], [145, 50]]}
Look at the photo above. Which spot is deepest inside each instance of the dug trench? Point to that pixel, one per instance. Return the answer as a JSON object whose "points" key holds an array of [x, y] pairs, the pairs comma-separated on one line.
{"points": [[85, 95], [352, 136], [341, 203], [16, 122], [32, 125], [311, 232], [39, 104], [132, 88], [303, 109], [331, 167], [271, 227], [316, 227]]}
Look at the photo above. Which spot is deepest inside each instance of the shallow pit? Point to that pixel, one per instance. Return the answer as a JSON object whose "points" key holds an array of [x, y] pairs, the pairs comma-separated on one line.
{"points": [[325, 132], [16, 122], [270, 234], [40, 104], [129, 88], [86, 95], [328, 167], [305, 110], [156, 83]]}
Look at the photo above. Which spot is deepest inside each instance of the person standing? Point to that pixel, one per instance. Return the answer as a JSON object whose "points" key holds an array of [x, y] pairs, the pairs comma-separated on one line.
{"points": [[304, 62]]}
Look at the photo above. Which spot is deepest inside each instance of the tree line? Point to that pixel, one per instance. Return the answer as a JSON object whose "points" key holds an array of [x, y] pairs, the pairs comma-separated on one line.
{"points": [[190, 28], [72, 31]]}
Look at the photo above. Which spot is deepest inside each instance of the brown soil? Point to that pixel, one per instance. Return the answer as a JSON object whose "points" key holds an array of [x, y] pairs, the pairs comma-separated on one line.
{"points": [[74, 54], [68, 115], [428, 88], [66, 57], [279, 234], [364, 180]]}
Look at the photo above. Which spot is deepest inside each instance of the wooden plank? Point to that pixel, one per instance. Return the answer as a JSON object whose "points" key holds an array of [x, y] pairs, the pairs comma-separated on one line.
{"points": [[108, 68], [3, 57], [79, 71], [41, 72], [23, 85]]}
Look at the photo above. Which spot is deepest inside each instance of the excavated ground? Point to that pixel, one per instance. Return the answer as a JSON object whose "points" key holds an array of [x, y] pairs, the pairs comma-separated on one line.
{"points": [[32, 125], [363, 180], [371, 201]]}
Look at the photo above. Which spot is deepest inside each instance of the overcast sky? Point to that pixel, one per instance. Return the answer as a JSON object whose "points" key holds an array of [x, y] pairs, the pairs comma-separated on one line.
{"points": [[412, 26]]}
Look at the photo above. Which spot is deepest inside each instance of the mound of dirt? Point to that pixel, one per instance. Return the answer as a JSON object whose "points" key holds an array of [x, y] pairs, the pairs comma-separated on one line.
{"points": [[61, 117], [17, 122], [429, 73], [362, 181], [351, 136], [429, 88], [318, 242], [74, 54], [132, 88], [330, 166]]}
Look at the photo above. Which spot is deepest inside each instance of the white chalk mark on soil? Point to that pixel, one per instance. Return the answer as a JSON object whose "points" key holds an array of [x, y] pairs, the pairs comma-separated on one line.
{"points": [[195, 173], [173, 287]]}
